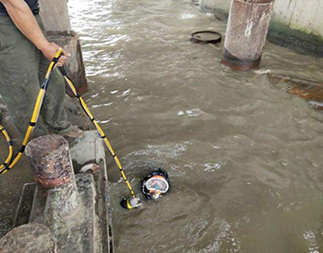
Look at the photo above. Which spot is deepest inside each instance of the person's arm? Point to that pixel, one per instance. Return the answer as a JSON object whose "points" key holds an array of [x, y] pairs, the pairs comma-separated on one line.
{"points": [[25, 21]]}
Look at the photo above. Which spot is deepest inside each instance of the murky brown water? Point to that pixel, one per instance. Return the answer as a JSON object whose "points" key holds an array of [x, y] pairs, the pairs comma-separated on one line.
{"points": [[244, 158]]}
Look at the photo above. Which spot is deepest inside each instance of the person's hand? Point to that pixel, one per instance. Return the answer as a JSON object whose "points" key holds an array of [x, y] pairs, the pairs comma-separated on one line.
{"points": [[50, 50]]}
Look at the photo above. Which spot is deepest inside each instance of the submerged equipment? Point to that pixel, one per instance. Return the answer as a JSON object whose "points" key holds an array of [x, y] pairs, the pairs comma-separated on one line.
{"points": [[9, 163], [155, 184], [211, 37], [130, 203]]}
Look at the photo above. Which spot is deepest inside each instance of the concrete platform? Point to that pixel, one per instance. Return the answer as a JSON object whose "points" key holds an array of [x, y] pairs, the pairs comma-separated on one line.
{"points": [[90, 228]]}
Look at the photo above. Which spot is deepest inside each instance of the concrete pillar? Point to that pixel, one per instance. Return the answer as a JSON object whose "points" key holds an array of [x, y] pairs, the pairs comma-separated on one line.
{"points": [[246, 33], [52, 168]]}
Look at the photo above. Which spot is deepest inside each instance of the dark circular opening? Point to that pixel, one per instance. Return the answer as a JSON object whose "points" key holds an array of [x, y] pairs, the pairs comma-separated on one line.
{"points": [[256, 1], [206, 37]]}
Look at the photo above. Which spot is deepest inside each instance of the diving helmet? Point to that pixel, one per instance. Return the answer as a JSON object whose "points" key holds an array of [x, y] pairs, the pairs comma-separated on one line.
{"points": [[155, 184]]}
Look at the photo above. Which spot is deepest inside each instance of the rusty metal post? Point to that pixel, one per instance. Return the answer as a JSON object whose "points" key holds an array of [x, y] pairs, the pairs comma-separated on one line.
{"points": [[246, 33], [53, 170]]}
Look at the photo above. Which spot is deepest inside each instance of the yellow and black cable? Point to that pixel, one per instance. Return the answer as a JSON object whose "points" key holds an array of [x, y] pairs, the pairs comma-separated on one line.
{"points": [[99, 129], [10, 146], [9, 163]]}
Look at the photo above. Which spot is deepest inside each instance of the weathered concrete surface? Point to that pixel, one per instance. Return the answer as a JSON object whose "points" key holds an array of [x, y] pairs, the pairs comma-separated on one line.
{"points": [[296, 24], [71, 43], [21, 174], [89, 149], [90, 228], [54, 14], [78, 232], [25, 204], [35, 238], [51, 165], [303, 15]]}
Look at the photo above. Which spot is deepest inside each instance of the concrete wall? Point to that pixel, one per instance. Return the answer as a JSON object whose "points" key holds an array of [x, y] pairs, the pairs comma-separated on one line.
{"points": [[55, 15], [295, 23], [303, 15]]}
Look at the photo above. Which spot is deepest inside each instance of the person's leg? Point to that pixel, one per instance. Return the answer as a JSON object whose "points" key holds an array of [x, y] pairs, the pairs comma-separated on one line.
{"points": [[53, 111], [19, 84]]}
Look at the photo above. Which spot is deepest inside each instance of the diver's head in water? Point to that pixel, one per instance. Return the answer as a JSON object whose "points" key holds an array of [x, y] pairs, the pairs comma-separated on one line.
{"points": [[155, 184]]}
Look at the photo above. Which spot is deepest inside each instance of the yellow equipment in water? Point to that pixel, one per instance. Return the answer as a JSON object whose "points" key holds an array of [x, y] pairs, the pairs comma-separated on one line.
{"points": [[10, 161]]}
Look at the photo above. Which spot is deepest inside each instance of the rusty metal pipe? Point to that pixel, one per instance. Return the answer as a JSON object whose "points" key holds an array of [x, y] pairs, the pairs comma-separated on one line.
{"points": [[246, 33], [52, 169]]}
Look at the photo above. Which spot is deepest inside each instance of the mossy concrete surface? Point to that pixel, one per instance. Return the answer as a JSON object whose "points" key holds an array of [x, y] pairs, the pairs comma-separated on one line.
{"points": [[300, 41], [296, 24]]}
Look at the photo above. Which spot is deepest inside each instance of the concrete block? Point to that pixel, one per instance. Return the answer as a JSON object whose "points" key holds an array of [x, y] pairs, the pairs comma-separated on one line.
{"points": [[89, 229], [25, 205], [78, 233], [38, 206], [35, 238], [71, 43], [87, 149]]}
